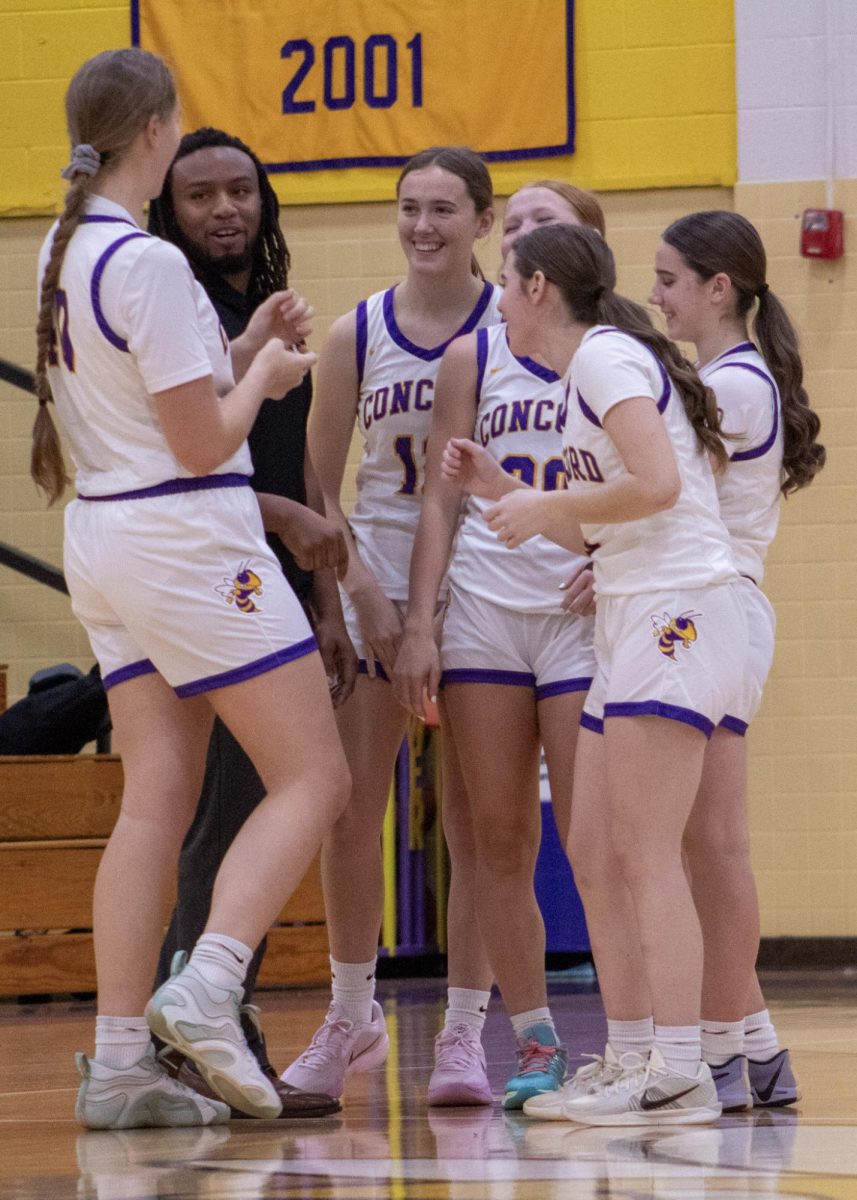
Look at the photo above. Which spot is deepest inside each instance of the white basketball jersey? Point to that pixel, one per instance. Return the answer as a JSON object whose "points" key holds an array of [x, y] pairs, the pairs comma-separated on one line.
{"points": [[749, 488], [687, 546], [397, 380], [520, 417], [130, 320]]}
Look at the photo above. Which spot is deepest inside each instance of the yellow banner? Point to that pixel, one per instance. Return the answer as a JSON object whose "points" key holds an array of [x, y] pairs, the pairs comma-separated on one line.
{"points": [[327, 85]]}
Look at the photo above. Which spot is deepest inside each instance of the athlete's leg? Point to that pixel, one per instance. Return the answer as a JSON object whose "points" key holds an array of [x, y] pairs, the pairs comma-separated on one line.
{"points": [[559, 724], [717, 847], [371, 725], [497, 739], [284, 721], [611, 917], [162, 741], [653, 768]]}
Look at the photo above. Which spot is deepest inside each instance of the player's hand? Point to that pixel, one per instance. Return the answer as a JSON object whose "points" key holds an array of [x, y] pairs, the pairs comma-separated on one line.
{"points": [[338, 655], [281, 369], [284, 315], [313, 540], [517, 517], [416, 675], [473, 469], [579, 591], [380, 625]]}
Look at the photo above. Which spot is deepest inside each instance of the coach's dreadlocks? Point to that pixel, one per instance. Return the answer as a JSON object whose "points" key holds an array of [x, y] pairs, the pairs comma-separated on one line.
{"points": [[271, 259]]}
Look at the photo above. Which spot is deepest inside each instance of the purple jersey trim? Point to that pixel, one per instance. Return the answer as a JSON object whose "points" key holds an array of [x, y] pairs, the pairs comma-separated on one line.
{"points": [[734, 725], [197, 483], [95, 288], [665, 379], [97, 220], [249, 670], [481, 361], [478, 675], [143, 666], [587, 721], [758, 451], [656, 708], [362, 338], [421, 351], [363, 669], [561, 687]]}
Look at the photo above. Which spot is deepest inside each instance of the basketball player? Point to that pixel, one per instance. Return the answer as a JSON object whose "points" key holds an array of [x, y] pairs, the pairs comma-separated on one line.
{"points": [[379, 367], [184, 603]]}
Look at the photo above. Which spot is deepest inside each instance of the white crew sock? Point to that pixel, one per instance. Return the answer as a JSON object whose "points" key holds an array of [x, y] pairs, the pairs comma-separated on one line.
{"points": [[760, 1036], [521, 1022], [466, 1006], [638, 1037], [121, 1041], [721, 1040], [680, 1047], [221, 960], [353, 987]]}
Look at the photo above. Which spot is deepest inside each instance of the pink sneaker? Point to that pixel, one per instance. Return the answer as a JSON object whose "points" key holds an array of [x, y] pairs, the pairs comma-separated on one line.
{"points": [[460, 1075], [338, 1049]]}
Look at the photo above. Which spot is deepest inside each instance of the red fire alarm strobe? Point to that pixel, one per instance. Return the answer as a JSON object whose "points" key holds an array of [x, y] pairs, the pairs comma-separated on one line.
{"points": [[821, 233]]}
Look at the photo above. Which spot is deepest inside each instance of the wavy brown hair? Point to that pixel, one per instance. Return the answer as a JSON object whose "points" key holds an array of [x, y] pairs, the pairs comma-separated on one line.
{"points": [[109, 101], [716, 242], [579, 262]]}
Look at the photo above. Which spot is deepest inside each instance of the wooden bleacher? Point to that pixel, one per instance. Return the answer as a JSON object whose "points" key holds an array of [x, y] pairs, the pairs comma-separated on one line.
{"points": [[56, 813]]}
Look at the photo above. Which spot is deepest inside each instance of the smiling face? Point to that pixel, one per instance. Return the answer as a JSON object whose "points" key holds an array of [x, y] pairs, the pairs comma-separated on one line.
{"points": [[531, 207], [516, 308], [218, 208], [437, 220], [683, 296]]}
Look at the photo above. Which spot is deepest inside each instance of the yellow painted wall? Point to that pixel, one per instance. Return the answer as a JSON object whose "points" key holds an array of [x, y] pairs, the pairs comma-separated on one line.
{"points": [[804, 744]]}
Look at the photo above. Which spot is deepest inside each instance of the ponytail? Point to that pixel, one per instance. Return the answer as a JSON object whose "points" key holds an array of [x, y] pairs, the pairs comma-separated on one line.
{"points": [[803, 456], [47, 465]]}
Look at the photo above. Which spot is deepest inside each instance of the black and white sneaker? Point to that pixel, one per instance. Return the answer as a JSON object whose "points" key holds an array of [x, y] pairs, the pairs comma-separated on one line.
{"points": [[647, 1092]]}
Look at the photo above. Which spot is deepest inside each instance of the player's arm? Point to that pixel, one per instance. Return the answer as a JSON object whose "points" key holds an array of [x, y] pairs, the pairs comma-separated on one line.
{"points": [[453, 414], [330, 430], [186, 410], [650, 483]]}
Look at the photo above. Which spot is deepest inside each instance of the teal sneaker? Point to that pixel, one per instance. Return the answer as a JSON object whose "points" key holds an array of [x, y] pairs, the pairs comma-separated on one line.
{"points": [[542, 1064]]}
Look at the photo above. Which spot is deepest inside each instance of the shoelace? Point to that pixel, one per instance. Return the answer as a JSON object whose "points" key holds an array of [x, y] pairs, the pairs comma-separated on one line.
{"points": [[536, 1057], [455, 1048], [633, 1072], [326, 1042]]}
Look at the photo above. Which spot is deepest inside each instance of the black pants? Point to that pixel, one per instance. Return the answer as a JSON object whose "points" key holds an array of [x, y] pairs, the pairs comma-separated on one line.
{"points": [[231, 790]]}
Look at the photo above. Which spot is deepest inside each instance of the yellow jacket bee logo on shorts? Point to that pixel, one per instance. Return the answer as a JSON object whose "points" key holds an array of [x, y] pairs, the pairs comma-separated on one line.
{"points": [[671, 630], [242, 589]]}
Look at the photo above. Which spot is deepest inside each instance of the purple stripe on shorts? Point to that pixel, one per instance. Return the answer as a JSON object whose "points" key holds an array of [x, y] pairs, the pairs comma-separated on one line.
{"points": [[476, 675], [249, 670], [734, 725], [171, 487], [363, 669], [561, 686], [143, 666], [656, 708], [587, 721]]}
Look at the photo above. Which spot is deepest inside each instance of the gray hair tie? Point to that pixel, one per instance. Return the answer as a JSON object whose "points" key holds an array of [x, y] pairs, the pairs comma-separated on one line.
{"points": [[85, 160]]}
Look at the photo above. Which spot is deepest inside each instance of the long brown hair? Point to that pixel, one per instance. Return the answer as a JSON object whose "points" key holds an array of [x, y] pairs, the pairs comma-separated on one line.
{"points": [[719, 241], [110, 99], [468, 167], [580, 263]]}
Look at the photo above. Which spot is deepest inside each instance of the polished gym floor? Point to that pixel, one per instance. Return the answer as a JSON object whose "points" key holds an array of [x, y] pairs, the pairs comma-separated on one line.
{"points": [[388, 1145]]}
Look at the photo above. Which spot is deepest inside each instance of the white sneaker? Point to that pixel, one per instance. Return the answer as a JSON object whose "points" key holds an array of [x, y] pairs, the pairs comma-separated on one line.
{"points": [[548, 1106], [460, 1075], [338, 1049], [647, 1092], [140, 1097], [203, 1021]]}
